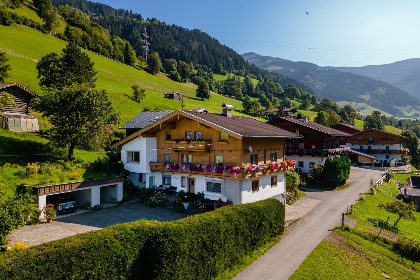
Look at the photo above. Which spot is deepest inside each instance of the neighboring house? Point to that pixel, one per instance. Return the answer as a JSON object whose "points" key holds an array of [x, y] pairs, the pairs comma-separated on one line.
{"points": [[145, 146], [17, 117], [173, 95], [318, 142], [386, 147], [272, 113], [413, 192], [290, 111], [347, 128], [224, 156]]}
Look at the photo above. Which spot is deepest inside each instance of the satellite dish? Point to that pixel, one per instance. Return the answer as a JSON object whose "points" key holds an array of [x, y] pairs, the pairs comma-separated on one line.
{"points": [[250, 149]]}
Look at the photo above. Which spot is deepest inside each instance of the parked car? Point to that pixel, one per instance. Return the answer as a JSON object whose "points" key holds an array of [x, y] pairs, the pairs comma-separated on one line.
{"points": [[63, 204]]}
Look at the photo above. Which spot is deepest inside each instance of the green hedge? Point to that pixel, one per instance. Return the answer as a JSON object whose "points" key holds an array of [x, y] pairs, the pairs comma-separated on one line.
{"points": [[197, 247]]}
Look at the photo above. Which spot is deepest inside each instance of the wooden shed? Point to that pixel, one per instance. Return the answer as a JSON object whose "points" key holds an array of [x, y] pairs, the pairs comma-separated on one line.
{"points": [[17, 117], [173, 95]]}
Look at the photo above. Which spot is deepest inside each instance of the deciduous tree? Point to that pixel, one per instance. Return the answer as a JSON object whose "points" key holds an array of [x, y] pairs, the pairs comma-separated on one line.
{"points": [[80, 117], [402, 209], [153, 60], [203, 90], [138, 93]]}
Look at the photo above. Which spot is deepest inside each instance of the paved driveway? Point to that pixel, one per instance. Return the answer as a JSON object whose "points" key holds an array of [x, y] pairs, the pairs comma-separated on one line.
{"points": [[285, 257], [88, 221]]}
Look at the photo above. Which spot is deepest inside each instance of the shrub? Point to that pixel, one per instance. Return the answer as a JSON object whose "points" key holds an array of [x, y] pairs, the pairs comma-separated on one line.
{"points": [[292, 180], [336, 171], [197, 247], [408, 247]]}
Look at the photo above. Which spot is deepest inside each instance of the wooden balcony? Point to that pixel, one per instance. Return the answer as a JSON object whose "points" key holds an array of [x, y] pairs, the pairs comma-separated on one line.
{"points": [[218, 171], [76, 185], [187, 145]]}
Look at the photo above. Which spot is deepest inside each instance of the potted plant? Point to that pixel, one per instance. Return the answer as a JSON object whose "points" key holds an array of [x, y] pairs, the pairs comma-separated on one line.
{"points": [[50, 212]]}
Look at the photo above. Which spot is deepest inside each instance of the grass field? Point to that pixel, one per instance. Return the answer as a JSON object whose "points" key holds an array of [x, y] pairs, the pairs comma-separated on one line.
{"points": [[362, 108], [350, 254], [367, 210], [24, 47]]}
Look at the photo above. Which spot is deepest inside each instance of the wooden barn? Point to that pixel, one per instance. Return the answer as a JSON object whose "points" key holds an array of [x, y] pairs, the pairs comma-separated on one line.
{"points": [[173, 95], [17, 117]]}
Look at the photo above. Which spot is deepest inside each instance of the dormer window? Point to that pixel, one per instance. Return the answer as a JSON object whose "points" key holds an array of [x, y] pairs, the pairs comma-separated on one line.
{"points": [[254, 159], [197, 135], [223, 136], [168, 135]]}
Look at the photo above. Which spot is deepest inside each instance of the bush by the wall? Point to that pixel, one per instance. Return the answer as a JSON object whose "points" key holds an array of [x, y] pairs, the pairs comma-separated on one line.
{"points": [[336, 171], [408, 247], [197, 247]]}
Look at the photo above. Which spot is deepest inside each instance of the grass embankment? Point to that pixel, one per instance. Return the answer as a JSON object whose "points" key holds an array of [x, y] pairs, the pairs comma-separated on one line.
{"points": [[24, 47], [351, 254], [366, 210]]}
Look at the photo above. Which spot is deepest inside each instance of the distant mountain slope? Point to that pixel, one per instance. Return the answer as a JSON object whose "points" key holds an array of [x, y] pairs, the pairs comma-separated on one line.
{"points": [[402, 74], [173, 42], [338, 85]]}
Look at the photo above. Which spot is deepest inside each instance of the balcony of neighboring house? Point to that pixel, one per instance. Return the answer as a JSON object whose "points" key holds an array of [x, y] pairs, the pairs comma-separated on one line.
{"points": [[307, 152], [229, 172]]}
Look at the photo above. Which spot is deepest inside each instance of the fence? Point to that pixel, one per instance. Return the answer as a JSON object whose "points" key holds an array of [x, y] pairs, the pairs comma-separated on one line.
{"points": [[354, 210]]}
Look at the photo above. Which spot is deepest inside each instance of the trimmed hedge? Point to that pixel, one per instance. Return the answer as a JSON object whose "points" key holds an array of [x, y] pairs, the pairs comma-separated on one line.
{"points": [[197, 247]]}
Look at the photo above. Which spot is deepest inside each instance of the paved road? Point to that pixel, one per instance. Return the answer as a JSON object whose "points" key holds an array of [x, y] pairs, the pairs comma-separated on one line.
{"points": [[285, 257]]}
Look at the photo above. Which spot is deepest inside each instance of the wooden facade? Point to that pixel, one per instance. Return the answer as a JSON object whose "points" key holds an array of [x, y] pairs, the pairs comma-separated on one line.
{"points": [[173, 95], [22, 98], [235, 152], [375, 137]]}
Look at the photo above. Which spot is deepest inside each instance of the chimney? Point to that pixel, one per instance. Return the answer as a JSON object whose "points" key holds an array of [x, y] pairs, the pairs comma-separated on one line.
{"points": [[305, 119], [227, 110]]}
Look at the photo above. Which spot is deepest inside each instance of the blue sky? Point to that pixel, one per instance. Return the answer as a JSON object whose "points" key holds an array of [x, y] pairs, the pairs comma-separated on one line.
{"points": [[327, 33]]}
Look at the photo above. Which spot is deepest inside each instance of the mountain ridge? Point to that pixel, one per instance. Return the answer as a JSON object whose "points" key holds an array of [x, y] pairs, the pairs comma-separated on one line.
{"points": [[338, 85]]}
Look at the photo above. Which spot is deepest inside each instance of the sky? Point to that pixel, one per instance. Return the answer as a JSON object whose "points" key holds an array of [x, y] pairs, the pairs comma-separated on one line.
{"points": [[327, 33]]}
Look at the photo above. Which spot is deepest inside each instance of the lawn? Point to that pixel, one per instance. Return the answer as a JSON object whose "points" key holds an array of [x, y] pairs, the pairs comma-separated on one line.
{"points": [[350, 254], [367, 210]]}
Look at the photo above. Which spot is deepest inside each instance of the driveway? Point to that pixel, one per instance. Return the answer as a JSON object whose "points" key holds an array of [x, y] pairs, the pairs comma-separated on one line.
{"points": [[68, 225], [285, 257]]}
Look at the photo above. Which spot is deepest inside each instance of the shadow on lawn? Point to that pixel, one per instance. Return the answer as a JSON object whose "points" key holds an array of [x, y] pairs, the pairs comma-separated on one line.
{"points": [[384, 225]]}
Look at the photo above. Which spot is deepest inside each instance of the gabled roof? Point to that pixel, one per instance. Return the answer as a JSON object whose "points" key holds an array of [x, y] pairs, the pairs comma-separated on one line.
{"points": [[4, 86], [272, 111], [238, 127], [348, 128], [362, 153], [377, 130], [313, 126], [146, 118], [289, 110]]}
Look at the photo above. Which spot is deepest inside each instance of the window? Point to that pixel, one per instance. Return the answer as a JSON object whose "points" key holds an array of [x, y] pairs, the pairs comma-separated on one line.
{"points": [[214, 187], [167, 157], [255, 186], [313, 147], [361, 147], [273, 157], [359, 138], [140, 178], [273, 181], [387, 148], [300, 164], [385, 138], [254, 159], [369, 147], [219, 160], [133, 156], [184, 158], [387, 156], [311, 165], [371, 138], [168, 136], [189, 158], [166, 180], [183, 182], [188, 135], [197, 135], [222, 136]]}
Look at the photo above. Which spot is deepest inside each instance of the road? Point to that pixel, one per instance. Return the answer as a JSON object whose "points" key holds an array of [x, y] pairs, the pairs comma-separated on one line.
{"points": [[285, 257]]}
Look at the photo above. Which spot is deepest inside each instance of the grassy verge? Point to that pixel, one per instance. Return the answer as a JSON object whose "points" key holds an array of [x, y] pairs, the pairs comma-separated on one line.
{"points": [[367, 211], [351, 254]]}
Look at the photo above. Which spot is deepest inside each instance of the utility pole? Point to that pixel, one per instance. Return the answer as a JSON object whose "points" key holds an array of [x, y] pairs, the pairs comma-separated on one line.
{"points": [[182, 101], [146, 43]]}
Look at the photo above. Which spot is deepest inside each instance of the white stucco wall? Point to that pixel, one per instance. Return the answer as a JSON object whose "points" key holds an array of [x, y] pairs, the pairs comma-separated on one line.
{"points": [[306, 161], [380, 156], [265, 191], [147, 148]]}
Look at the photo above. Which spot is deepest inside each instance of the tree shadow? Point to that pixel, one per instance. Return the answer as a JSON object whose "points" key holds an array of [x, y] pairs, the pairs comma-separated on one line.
{"points": [[384, 225]]}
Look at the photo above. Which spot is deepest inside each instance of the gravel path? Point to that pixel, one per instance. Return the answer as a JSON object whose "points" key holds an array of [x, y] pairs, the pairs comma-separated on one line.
{"points": [[89, 221]]}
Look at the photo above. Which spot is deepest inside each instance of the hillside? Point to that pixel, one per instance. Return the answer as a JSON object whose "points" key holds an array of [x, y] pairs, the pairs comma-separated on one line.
{"points": [[174, 42], [402, 74], [337, 85], [25, 46]]}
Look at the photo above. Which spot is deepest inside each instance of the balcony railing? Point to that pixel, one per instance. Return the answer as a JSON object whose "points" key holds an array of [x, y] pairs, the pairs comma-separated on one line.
{"points": [[202, 145], [232, 172]]}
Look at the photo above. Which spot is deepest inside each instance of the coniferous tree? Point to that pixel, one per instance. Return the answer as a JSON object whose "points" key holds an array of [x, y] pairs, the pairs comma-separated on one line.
{"points": [[4, 67], [154, 63], [203, 90]]}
